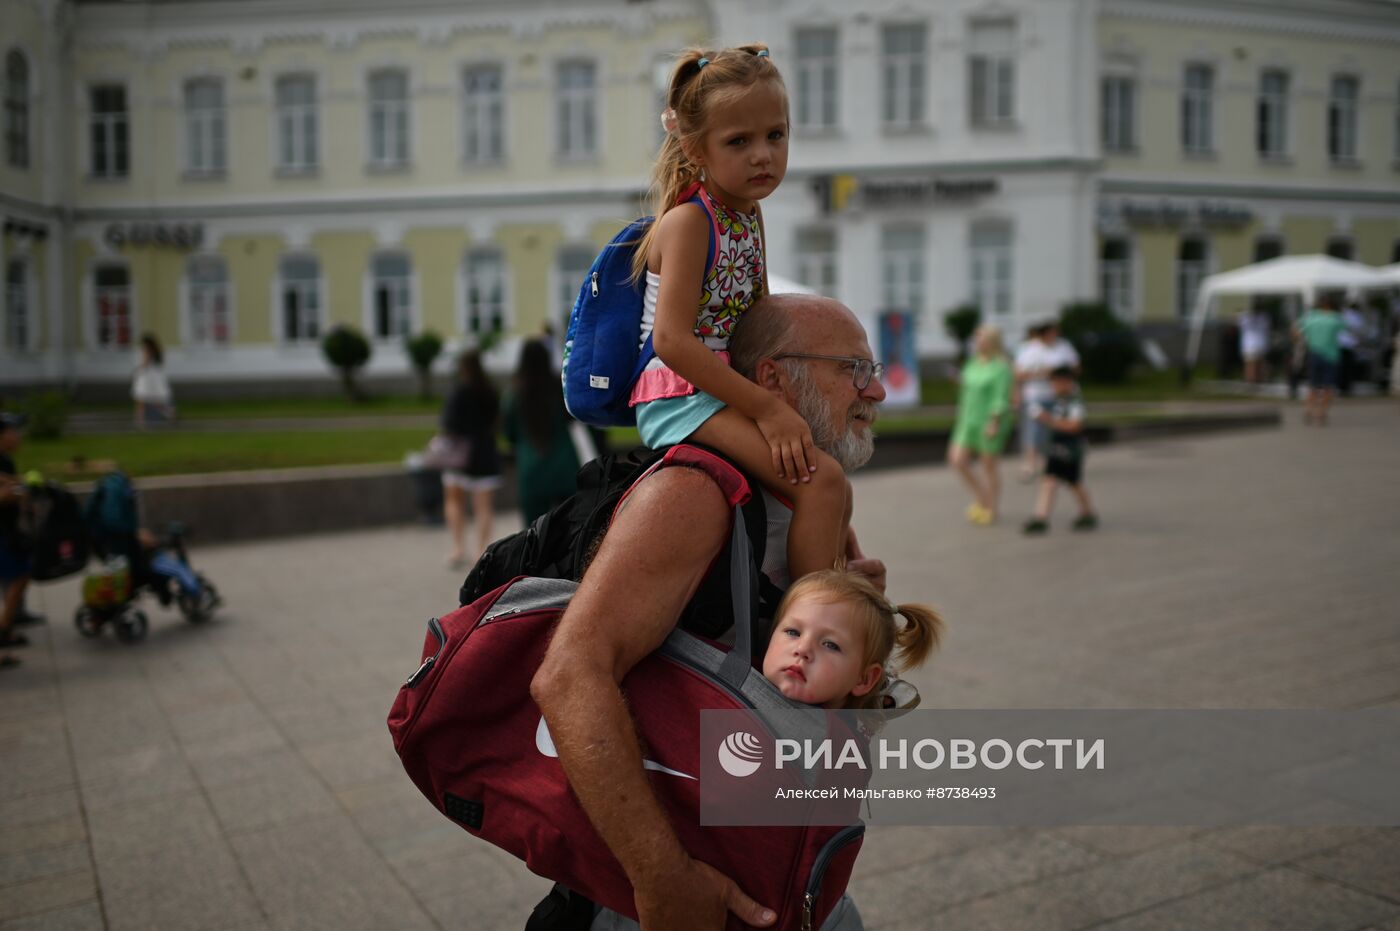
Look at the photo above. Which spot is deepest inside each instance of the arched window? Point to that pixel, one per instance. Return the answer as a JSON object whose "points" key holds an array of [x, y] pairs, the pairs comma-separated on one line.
{"points": [[392, 295], [208, 300], [112, 306], [1116, 275], [19, 321], [16, 109], [300, 297], [1192, 260], [388, 119], [486, 291]]}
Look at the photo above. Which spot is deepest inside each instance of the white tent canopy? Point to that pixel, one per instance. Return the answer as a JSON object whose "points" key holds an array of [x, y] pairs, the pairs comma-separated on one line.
{"points": [[1392, 273], [777, 284], [1301, 275]]}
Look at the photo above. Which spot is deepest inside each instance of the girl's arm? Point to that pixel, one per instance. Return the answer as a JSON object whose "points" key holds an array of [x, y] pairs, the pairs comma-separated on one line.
{"points": [[682, 248]]}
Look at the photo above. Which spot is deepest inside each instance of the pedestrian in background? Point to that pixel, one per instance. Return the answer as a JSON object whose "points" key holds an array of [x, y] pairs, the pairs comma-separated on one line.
{"points": [[150, 389], [14, 553], [1063, 418], [538, 428], [469, 418], [1042, 353], [1350, 341], [984, 412], [1320, 330], [1254, 343]]}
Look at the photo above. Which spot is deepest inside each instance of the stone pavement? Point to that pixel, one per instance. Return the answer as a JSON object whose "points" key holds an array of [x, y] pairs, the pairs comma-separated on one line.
{"points": [[239, 776]]}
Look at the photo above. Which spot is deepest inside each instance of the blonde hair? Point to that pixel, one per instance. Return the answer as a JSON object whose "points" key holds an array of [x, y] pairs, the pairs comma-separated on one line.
{"points": [[912, 644], [701, 77], [992, 334]]}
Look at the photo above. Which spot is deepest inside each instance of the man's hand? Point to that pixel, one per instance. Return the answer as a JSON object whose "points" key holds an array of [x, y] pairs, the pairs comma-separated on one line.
{"points": [[699, 897], [859, 563]]}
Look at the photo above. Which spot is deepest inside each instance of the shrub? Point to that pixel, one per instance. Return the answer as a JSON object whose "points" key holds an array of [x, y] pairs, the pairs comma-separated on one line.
{"points": [[960, 323], [423, 350], [47, 412], [347, 350], [1108, 347]]}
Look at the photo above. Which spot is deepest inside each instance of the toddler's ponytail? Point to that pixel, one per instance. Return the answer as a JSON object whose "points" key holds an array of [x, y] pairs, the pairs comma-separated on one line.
{"points": [[920, 636]]}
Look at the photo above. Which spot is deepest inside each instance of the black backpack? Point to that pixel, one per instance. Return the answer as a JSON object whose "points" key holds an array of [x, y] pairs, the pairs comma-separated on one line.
{"points": [[58, 538], [561, 542]]}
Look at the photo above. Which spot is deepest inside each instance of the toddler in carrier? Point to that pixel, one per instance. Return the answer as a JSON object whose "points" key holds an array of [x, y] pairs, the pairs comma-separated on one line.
{"points": [[835, 636]]}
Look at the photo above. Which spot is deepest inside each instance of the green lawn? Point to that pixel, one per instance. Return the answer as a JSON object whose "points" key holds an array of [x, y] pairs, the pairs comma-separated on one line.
{"points": [[249, 408], [174, 453]]}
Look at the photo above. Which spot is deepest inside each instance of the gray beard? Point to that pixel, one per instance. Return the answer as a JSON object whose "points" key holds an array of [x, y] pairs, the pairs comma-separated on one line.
{"points": [[850, 450]]}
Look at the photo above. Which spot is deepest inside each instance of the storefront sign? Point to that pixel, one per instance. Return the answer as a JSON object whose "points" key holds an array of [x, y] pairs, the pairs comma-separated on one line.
{"points": [[1168, 212], [164, 235], [837, 193]]}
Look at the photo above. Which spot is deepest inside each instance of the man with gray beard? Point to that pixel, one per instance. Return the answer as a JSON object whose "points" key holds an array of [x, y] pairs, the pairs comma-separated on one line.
{"points": [[812, 354]]}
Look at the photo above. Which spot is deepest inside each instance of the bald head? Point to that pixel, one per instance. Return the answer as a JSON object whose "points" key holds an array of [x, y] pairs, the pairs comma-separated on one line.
{"points": [[779, 323]]}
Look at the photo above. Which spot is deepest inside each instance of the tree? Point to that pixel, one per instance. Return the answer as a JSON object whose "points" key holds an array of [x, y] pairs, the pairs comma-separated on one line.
{"points": [[347, 350], [960, 323], [423, 350], [1108, 347]]}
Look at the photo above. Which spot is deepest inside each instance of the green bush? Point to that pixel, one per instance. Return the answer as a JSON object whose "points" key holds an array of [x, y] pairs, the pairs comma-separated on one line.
{"points": [[1108, 347], [423, 350], [347, 350], [48, 414], [960, 323]]}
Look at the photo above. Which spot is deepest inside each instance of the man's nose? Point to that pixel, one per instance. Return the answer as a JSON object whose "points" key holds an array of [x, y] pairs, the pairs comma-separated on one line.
{"points": [[874, 392]]}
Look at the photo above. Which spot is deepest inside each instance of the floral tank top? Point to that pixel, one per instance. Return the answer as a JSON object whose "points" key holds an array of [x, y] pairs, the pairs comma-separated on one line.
{"points": [[730, 288]]}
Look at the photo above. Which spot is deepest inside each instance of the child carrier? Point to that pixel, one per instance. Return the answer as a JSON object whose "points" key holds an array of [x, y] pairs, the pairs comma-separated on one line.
{"points": [[58, 542], [604, 352], [477, 747]]}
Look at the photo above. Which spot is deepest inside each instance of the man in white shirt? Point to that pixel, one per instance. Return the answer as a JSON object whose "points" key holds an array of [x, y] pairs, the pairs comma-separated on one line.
{"points": [[1040, 355]]}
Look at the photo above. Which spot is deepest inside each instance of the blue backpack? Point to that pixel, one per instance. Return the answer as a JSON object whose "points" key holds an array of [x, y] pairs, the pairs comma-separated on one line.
{"points": [[603, 351]]}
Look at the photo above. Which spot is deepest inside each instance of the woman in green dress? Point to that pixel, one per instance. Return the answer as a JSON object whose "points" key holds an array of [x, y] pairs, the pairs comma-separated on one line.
{"points": [[537, 426], [984, 420]]}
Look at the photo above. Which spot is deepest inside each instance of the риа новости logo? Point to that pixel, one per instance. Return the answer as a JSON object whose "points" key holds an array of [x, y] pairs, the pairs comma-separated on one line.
{"points": [[740, 754]]}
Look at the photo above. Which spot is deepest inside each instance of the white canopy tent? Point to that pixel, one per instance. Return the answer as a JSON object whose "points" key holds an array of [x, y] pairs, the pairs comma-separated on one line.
{"points": [[1288, 275], [777, 284], [1392, 274]]}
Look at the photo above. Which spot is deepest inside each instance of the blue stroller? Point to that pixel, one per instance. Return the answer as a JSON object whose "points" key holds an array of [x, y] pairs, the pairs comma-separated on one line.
{"points": [[110, 594]]}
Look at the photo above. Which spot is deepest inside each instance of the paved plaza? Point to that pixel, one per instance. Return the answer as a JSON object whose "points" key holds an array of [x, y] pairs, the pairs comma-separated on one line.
{"points": [[239, 775]]}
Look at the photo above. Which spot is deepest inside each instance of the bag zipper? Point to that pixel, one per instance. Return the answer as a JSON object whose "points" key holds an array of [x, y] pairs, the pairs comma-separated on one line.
{"points": [[436, 630], [593, 281], [814, 882]]}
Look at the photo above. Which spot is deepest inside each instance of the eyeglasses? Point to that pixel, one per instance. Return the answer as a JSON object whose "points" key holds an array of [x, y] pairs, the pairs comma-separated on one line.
{"points": [[862, 370]]}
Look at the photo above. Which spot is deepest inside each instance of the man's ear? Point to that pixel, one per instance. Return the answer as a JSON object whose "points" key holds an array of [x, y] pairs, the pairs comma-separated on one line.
{"points": [[770, 376], [873, 673]]}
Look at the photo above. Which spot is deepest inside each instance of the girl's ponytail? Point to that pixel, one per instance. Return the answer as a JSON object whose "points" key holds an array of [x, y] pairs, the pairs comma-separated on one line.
{"points": [[917, 640]]}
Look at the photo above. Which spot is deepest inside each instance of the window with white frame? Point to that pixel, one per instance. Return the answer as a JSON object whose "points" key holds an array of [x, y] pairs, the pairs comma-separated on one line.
{"points": [[16, 109], [816, 259], [1116, 275], [817, 78], [18, 318], [483, 114], [388, 119], [297, 129], [207, 293], [572, 268], [1342, 125], [992, 73], [112, 306], [577, 98], [1192, 264], [902, 260], [205, 127], [1119, 115], [1198, 110], [485, 292], [109, 131], [392, 295], [904, 50], [1271, 135], [991, 271], [300, 298]]}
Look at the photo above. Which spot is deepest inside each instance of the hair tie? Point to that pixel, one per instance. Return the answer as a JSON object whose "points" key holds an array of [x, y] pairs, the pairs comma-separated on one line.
{"points": [[669, 121], [761, 53], [703, 63]]}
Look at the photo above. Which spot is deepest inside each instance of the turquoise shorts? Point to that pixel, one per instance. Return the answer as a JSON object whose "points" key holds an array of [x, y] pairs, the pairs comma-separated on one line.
{"points": [[668, 421]]}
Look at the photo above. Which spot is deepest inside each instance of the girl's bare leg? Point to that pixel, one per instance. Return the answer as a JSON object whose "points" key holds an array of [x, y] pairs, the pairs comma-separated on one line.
{"points": [[961, 460], [453, 511], [817, 536], [991, 467], [482, 512]]}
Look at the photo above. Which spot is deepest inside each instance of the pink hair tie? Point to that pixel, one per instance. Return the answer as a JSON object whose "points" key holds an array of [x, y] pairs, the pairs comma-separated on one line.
{"points": [[668, 121]]}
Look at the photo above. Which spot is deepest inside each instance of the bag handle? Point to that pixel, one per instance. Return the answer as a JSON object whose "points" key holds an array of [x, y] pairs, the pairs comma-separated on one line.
{"points": [[738, 663]]}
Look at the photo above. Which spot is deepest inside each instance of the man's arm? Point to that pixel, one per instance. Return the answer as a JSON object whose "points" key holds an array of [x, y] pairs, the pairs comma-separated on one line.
{"points": [[658, 549]]}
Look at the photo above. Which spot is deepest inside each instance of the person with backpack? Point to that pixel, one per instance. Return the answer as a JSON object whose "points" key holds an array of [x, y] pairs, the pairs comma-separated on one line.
{"points": [[659, 551], [726, 149]]}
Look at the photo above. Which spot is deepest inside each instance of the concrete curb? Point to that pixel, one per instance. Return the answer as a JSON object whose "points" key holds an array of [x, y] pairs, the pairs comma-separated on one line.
{"points": [[230, 506]]}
